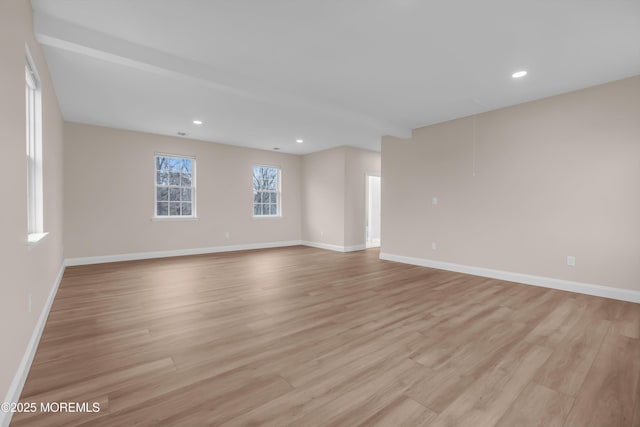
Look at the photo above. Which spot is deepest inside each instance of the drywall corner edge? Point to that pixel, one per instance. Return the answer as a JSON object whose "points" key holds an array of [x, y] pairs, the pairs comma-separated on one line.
{"points": [[330, 247]]}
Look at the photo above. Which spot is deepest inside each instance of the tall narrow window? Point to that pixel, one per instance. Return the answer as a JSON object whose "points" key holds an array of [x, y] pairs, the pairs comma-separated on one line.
{"points": [[35, 210], [175, 186], [266, 191]]}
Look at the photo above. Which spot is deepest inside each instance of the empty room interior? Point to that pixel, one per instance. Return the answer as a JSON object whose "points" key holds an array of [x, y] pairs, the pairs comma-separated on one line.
{"points": [[329, 213]]}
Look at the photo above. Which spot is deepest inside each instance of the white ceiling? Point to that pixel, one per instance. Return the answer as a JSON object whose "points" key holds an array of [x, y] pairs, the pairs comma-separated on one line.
{"points": [[333, 72]]}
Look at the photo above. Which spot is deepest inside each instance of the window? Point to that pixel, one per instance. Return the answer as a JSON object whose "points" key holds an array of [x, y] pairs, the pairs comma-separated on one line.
{"points": [[175, 186], [35, 210], [266, 191]]}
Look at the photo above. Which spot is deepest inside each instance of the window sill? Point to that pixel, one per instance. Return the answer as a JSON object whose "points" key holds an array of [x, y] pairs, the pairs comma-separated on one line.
{"points": [[175, 218], [34, 239], [267, 217]]}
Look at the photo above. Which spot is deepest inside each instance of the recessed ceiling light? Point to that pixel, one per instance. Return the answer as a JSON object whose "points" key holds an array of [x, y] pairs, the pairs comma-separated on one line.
{"points": [[299, 141], [182, 133], [276, 148], [519, 74], [197, 122]]}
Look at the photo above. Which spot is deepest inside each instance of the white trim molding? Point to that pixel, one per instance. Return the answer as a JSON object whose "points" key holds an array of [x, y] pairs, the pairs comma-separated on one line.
{"points": [[545, 282], [200, 251], [15, 389], [331, 247], [174, 253]]}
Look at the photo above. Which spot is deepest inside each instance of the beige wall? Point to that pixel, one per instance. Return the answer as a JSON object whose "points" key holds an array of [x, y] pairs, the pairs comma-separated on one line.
{"points": [[542, 181], [334, 195], [323, 196], [109, 194], [24, 271], [359, 163]]}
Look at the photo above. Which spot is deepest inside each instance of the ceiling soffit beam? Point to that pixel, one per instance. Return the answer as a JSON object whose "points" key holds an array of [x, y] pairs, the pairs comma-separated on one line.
{"points": [[54, 32]]}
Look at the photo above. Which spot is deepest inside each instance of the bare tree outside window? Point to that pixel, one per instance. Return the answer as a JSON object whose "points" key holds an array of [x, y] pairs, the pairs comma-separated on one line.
{"points": [[266, 191], [175, 189]]}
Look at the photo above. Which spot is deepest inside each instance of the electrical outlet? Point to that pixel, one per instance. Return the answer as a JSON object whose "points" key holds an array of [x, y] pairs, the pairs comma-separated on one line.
{"points": [[434, 200], [226, 234], [571, 261], [434, 246]]}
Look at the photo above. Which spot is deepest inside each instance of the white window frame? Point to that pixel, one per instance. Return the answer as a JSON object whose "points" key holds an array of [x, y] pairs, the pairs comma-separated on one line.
{"points": [[279, 191], [33, 120], [169, 217]]}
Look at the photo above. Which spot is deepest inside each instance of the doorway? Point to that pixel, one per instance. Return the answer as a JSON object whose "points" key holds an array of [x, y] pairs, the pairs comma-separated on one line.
{"points": [[373, 211]]}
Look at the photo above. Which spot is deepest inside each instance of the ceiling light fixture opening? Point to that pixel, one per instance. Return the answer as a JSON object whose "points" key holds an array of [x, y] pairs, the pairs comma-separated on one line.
{"points": [[197, 122], [519, 74], [299, 141], [182, 133]]}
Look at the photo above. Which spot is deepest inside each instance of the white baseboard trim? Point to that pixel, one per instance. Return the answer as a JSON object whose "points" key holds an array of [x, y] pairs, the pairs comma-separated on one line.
{"points": [[546, 282], [15, 389], [102, 259], [174, 253], [336, 248]]}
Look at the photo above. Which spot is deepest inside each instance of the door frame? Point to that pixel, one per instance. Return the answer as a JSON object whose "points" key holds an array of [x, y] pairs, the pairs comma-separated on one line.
{"points": [[367, 214]]}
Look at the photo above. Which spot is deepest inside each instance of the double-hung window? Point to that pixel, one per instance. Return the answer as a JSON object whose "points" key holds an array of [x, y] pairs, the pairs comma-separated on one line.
{"points": [[266, 191], [175, 186], [35, 208]]}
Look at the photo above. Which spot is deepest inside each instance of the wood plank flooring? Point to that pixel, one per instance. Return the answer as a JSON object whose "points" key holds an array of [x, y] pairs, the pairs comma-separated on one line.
{"points": [[304, 337]]}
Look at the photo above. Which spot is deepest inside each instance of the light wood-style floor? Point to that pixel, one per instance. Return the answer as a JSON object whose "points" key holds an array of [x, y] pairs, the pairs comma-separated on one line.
{"points": [[305, 337]]}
